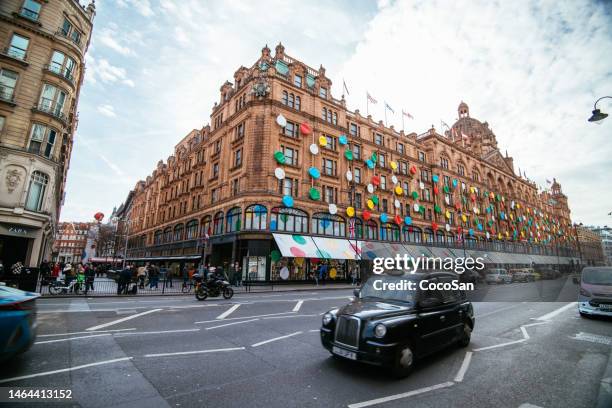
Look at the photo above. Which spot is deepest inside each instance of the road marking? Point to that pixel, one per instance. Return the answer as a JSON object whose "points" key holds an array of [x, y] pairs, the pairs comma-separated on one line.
{"points": [[315, 330], [154, 332], [464, 366], [72, 338], [527, 405], [400, 396], [298, 305], [183, 353], [261, 343], [500, 345], [593, 338], [501, 309], [244, 317], [525, 334], [101, 326], [230, 324], [83, 332], [285, 317], [554, 313], [228, 312], [63, 370]]}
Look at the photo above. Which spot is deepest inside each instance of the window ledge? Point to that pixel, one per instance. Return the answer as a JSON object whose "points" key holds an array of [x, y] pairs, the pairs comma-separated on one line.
{"points": [[22, 62]]}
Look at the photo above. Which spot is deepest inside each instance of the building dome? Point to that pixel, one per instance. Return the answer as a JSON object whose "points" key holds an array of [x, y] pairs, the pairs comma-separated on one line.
{"points": [[464, 110]]}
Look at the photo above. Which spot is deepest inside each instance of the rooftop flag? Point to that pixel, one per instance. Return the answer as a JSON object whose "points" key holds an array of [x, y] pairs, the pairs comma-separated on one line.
{"points": [[409, 116], [372, 100], [345, 87], [388, 107]]}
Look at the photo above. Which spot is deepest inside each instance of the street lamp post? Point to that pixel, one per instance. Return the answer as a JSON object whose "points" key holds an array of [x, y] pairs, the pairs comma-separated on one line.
{"points": [[598, 115]]}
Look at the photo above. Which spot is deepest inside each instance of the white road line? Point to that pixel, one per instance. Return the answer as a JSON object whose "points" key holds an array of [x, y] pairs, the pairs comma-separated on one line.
{"points": [[183, 353], [285, 317], [527, 405], [83, 332], [63, 370], [101, 326], [228, 312], [525, 334], [501, 309], [500, 345], [464, 366], [244, 317], [154, 332], [261, 343], [315, 330], [534, 324], [554, 313], [72, 338], [400, 396], [298, 305], [230, 324], [593, 338]]}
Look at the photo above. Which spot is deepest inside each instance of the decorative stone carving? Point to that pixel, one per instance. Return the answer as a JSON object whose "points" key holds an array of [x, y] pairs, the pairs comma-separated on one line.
{"points": [[13, 179]]}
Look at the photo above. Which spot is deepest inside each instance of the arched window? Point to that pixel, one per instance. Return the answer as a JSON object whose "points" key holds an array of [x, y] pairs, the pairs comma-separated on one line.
{"points": [[371, 229], [327, 224], [157, 239], [218, 223], [417, 236], [356, 229], [206, 226], [288, 219], [168, 234], [233, 219], [440, 237], [178, 232], [36, 191], [256, 217], [429, 235], [407, 233], [192, 229], [389, 232]]}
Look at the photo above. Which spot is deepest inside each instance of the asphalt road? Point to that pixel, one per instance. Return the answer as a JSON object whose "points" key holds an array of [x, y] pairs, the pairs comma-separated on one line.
{"points": [[263, 350]]}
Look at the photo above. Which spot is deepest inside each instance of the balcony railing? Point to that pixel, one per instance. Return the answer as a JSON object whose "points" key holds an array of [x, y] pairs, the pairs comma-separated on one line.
{"points": [[62, 33], [52, 108], [67, 75]]}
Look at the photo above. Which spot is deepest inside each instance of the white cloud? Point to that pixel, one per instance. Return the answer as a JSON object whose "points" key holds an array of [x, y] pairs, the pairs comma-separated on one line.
{"points": [[103, 71], [107, 110], [109, 38], [143, 7]]}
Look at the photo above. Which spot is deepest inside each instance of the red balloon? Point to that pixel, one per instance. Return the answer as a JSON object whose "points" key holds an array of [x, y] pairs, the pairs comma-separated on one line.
{"points": [[436, 190], [413, 170], [305, 128], [434, 226], [99, 216], [398, 220], [376, 180], [457, 206], [366, 215]]}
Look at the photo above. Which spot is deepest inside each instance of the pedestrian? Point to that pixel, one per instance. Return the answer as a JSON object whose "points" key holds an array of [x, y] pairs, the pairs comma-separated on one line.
{"points": [[68, 276], [153, 276], [238, 274], [322, 273], [45, 269], [80, 277], [354, 275], [166, 274], [141, 275], [90, 276], [185, 276], [125, 276]]}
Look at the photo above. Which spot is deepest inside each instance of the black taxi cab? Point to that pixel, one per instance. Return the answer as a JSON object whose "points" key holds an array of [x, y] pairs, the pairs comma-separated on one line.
{"points": [[396, 319]]}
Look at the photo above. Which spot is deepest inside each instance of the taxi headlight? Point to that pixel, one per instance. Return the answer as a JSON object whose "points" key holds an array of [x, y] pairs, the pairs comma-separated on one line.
{"points": [[380, 330], [327, 318]]}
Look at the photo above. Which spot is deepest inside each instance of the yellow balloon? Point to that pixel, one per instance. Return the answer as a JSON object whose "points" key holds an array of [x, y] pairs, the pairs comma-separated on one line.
{"points": [[463, 218], [350, 211], [399, 190], [447, 214], [507, 234], [393, 165], [499, 236], [370, 204], [511, 217], [299, 261], [472, 190], [518, 205], [333, 273], [322, 141]]}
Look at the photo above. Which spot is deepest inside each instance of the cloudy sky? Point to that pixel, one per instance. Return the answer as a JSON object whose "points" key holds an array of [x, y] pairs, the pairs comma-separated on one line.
{"points": [[532, 69]]}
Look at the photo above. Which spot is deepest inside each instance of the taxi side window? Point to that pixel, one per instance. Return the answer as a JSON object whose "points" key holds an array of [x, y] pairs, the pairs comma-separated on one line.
{"points": [[432, 294], [449, 296]]}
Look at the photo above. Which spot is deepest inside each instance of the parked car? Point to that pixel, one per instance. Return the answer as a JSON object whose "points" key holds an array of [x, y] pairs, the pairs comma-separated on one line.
{"points": [[519, 275], [548, 273], [17, 321], [393, 327], [470, 276], [595, 297], [498, 275]]}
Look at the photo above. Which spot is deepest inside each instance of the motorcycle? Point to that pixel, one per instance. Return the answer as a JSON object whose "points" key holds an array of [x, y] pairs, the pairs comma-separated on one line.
{"points": [[213, 288], [57, 287]]}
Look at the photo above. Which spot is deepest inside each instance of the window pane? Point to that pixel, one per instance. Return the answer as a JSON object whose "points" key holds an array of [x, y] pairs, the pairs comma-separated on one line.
{"points": [[19, 46]]}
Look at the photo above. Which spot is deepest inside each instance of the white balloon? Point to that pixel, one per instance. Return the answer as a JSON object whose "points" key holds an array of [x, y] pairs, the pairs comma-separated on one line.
{"points": [[333, 209], [447, 200], [475, 209], [349, 175], [422, 185], [416, 207], [397, 203], [394, 179], [279, 173], [281, 121], [284, 273], [370, 188], [488, 235], [462, 186], [314, 149], [448, 227]]}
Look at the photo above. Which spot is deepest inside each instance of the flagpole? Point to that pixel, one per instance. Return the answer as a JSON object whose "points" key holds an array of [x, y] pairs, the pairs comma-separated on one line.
{"points": [[385, 114], [402, 121], [367, 105]]}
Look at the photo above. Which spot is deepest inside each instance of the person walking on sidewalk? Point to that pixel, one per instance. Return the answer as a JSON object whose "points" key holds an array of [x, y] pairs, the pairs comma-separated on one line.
{"points": [[153, 276], [141, 275], [90, 276]]}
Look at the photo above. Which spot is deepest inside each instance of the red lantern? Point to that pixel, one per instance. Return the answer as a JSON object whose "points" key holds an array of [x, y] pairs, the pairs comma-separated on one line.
{"points": [[366, 215], [376, 180], [305, 128], [99, 216], [398, 220], [413, 170]]}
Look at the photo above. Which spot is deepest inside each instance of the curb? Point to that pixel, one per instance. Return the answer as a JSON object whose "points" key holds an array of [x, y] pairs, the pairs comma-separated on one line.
{"points": [[110, 295]]}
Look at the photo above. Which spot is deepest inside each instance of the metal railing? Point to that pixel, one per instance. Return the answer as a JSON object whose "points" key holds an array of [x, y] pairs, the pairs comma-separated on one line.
{"points": [[52, 108]]}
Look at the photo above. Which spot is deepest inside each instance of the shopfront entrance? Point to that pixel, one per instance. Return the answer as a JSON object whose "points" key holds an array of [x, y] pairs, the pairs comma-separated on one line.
{"points": [[13, 250]]}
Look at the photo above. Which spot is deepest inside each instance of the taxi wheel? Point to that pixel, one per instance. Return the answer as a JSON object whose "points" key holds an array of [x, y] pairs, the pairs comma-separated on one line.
{"points": [[404, 363], [466, 336]]}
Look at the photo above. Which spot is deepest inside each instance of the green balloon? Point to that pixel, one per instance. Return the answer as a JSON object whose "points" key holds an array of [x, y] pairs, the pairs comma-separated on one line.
{"points": [[375, 200], [348, 154], [275, 255], [280, 157], [415, 195], [315, 194]]}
